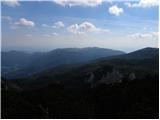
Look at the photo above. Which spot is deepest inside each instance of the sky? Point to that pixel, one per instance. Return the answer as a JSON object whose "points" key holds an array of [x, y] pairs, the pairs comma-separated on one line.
{"points": [[46, 25]]}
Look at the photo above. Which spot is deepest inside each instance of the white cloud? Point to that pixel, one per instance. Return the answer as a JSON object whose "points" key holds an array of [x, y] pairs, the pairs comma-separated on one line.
{"points": [[149, 35], [58, 24], [85, 27], [143, 3], [45, 25], [75, 29], [11, 3], [115, 10], [71, 3], [24, 23]]}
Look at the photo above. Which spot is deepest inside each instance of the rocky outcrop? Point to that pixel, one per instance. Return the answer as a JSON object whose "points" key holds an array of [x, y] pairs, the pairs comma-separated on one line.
{"points": [[111, 78], [91, 78], [132, 76]]}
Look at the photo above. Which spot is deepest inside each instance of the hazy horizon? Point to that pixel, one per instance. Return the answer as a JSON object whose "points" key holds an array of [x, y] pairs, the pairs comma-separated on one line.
{"points": [[48, 50]]}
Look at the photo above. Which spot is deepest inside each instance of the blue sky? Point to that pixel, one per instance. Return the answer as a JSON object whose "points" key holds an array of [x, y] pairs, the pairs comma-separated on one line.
{"points": [[46, 25]]}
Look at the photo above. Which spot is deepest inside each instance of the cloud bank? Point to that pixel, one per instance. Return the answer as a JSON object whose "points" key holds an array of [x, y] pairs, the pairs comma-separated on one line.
{"points": [[152, 35], [143, 3], [91, 3]]}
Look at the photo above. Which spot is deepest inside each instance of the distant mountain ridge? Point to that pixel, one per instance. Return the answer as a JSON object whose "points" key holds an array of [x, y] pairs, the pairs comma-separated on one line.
{"points": [[21, 63], [38, 62], [143, 53], [111, 68]]}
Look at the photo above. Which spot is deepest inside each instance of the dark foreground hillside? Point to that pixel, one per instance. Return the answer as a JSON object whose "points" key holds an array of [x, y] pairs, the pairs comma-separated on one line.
{"points": [[128, 99]]}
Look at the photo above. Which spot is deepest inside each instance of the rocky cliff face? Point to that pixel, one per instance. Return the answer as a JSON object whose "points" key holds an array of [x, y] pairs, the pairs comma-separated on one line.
{"points": [[111, 78]]}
